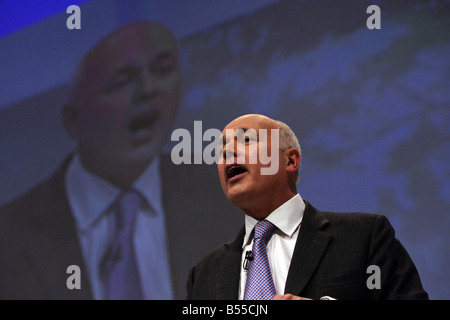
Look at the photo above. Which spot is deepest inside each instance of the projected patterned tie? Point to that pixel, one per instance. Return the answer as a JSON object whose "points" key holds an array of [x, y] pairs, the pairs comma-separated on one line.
{"points": [[119, 267], [260, 284]]}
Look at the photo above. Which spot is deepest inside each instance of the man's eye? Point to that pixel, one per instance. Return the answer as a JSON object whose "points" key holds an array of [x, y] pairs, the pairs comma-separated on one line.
{"points": [[164, 69], [164, 65], [117, 84], [120, 81]]}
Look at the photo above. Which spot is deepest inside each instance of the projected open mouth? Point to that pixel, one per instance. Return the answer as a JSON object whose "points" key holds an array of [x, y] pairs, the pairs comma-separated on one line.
{"points": [[141, 126]]}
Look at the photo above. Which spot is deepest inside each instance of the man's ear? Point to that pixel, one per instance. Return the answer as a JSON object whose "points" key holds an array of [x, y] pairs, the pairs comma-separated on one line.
{"points": [[293, 160], [70, 119]]}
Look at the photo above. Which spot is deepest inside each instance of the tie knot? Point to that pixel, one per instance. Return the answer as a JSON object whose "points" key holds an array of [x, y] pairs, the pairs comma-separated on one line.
{"points": [[264, 229]]}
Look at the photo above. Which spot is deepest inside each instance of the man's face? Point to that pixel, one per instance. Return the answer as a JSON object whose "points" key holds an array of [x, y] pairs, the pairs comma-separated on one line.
{"points": [[241, 180], [128, 98]]}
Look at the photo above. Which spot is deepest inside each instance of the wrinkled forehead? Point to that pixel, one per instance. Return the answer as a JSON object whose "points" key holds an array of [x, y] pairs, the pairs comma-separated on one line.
{"points": [[129, 43], [254, 122], [156, 34], [249, 126]]}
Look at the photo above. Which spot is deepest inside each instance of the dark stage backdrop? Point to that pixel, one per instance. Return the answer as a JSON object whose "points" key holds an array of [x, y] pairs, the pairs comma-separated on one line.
{"points": [[371, 108]]}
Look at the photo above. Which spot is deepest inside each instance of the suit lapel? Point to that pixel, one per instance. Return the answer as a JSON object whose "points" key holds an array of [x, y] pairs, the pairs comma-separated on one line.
{"points": [[310, 246], [228, 269], [55, 246]]}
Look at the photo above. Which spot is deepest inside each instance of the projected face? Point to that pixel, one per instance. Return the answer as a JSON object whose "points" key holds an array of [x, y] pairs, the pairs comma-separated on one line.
{"points": [[242, 180], [126, 99]]}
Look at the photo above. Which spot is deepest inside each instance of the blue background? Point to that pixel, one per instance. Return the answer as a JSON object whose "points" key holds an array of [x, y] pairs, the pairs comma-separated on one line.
{"points": [[371, 108]]}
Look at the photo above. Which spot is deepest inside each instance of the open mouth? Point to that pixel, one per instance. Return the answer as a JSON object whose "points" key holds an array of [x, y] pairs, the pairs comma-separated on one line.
{"points": [[141, 125], [234, 172], [143, 121]]}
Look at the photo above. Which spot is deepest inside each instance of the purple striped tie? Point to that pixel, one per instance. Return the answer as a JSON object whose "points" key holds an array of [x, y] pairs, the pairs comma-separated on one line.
{"points": [[119, 267], [260, 284]]}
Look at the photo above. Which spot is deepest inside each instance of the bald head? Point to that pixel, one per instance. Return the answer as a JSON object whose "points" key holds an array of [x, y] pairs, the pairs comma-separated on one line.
{"points": [[262, 120]]}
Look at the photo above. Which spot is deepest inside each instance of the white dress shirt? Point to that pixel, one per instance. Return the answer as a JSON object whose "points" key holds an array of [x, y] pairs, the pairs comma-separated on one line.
{"points": [[287, 218], [90, 198]]}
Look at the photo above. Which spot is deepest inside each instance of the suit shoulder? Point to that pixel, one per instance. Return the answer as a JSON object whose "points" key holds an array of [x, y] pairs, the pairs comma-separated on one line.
{"points": [[358, 222], [41, 195], [21, 205], [353, 217], [36, 206], [342, 217], [28, 201]]}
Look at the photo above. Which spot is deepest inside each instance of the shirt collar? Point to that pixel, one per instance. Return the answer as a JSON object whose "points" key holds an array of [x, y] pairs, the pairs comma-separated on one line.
{"points": [[286, 218], [149, 185], [91, 196]]}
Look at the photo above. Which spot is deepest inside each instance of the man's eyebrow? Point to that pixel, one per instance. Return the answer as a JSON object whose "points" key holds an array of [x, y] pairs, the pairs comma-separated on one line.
{"points": [[244, 130], [126, 69], [163, 55], [234, 130], [249, 129], [130, 67]]}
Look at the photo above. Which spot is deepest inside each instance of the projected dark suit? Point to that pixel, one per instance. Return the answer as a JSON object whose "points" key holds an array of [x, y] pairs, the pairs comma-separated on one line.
{"points": [[38, 240]]}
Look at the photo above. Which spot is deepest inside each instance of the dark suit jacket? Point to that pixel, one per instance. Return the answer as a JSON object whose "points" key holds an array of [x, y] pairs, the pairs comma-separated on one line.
{"points": [[331, 257], [38, 240]]}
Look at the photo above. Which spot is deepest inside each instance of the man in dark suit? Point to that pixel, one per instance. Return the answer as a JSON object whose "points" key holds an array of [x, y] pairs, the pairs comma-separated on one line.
{"points": [[122, 107], [310, 254]]}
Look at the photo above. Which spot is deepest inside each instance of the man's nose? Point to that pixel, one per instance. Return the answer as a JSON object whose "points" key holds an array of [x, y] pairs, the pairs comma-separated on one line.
{"points": [[146, 87], [229, 152]]}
